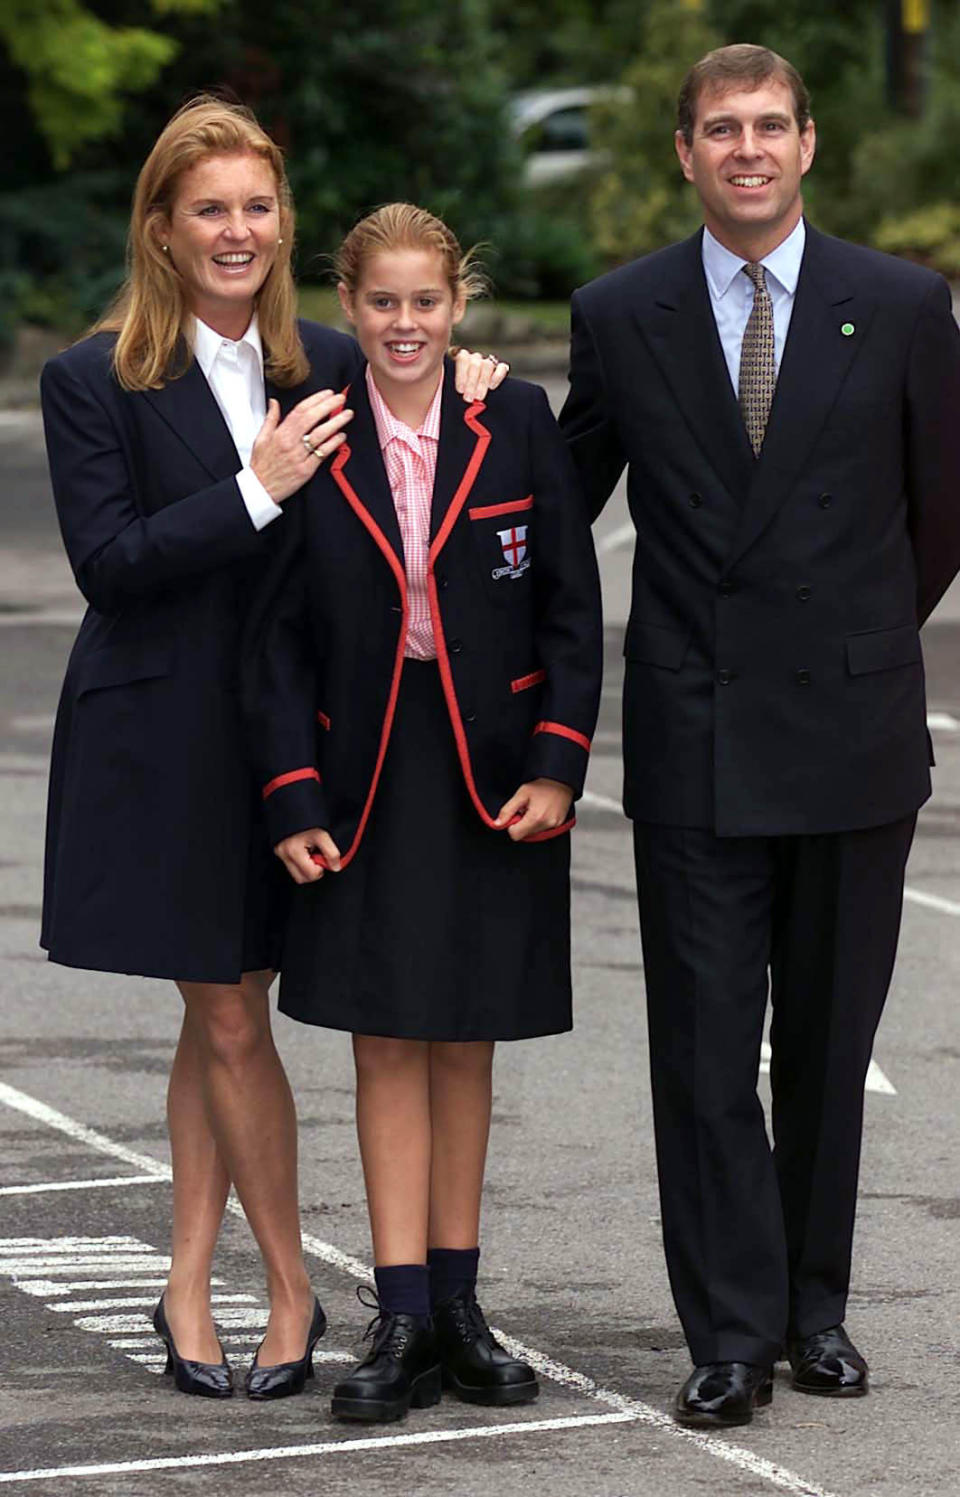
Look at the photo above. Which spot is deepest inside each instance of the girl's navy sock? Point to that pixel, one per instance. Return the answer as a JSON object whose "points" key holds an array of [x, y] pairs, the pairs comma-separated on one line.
{"points": [[452, 1271], [404, 1288]]}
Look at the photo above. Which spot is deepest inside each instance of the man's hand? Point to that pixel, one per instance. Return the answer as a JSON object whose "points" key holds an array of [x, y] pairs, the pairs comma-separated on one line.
{"points": [[296, 853], [281, 459], [477, 373], [542, 806]]}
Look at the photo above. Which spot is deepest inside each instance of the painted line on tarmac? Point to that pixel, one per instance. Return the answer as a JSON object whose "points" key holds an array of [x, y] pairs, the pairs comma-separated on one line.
{"points": [[622, 1409], [624, 535], [34, 1190], [932, 901]]}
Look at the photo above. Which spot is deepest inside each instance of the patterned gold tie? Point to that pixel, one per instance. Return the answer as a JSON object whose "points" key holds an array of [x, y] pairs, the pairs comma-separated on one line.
{"points": [[758, 370]]}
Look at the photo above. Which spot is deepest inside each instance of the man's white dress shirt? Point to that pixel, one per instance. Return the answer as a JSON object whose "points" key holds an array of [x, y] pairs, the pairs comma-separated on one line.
{"points": [[731, 293], [234, 372]]}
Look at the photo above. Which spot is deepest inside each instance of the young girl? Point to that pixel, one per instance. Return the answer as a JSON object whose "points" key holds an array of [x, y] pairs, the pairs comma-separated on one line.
{"points": [[423, 678]]}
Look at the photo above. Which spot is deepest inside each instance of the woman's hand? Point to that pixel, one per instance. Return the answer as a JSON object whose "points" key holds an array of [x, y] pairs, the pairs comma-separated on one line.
{"points": [[297, 854], [542, 806], [281, 459], [477, 373]]}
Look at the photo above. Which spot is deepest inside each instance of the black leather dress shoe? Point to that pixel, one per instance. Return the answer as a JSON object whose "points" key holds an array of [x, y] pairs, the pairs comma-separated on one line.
{"points": [[475, 1366], [286, 1378], [206, 1379], [829, 1364], [723, 1393], [400, 1371]]}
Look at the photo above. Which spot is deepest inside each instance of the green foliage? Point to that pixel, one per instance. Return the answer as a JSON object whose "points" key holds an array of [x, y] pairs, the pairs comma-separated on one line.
{"points": [[640, 200], [61, 249], [931, 234], [80, 68]]}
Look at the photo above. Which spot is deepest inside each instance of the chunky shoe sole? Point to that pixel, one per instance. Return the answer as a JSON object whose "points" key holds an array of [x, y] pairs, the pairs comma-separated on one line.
{"points": [[425, 1391], [494, 1397], [697, 1419]]}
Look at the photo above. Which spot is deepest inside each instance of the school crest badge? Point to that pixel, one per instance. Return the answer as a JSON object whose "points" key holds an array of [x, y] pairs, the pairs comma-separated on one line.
{"points": [[514, 545]]}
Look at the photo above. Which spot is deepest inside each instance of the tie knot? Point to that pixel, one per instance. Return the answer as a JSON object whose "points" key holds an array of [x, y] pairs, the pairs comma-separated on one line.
{"points": [[757, 274]]}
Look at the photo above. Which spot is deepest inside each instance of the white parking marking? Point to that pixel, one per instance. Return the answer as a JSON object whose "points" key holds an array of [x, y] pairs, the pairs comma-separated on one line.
{"points": [[624, 1410], [932, 901], [45, 617], [69, 1306], [47, 1288], [624, 535], [99, 1183], [876, 1080], [942, 722], [595, 802], [777, 1475]]}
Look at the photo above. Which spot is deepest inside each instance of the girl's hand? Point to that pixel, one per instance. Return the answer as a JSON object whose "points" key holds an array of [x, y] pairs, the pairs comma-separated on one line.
{"points": [[281, 458], [296, 853], [478, 373], [543, 805]]}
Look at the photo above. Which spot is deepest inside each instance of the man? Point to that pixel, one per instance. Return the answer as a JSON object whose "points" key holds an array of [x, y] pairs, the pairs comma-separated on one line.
{"points": [[789, 407]]}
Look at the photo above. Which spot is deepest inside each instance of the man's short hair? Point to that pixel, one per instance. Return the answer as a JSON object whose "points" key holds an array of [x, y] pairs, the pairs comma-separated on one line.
{"points": [[739, 66]]}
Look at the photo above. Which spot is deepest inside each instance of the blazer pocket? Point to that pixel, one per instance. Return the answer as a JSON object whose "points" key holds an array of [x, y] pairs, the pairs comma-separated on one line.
{"points": [[883, 649], [121, 666], [651, 644]]}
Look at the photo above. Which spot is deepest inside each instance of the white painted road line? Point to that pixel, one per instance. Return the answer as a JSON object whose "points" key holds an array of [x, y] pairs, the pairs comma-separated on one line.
{"points": [[594, 802], [117, 1303], [932, 901], [48, 1289], [624, 1409], [942, 722], [614, 540], [100, 1183]]}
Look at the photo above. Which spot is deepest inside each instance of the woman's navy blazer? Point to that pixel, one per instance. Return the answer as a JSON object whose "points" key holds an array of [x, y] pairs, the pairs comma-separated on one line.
{"points": [[515, 602], [148, 866]]}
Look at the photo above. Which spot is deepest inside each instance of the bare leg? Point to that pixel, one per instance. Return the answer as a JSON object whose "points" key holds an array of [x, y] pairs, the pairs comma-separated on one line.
{"points": [[393, 1125], [460, 1102], [251, 1116], [200, 1188]]}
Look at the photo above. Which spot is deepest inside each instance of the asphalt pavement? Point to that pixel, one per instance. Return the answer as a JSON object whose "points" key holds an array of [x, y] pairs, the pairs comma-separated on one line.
{"points": [[572, 1269]]}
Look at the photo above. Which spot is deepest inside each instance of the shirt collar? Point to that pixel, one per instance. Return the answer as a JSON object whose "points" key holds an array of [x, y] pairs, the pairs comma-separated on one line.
{"points": [[207, 344], [721, 266], [390, 428]]}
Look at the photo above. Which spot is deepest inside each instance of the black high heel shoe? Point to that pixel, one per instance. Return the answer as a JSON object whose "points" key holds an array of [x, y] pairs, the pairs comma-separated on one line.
{"points": [[206, 1379], [287, 1378]]}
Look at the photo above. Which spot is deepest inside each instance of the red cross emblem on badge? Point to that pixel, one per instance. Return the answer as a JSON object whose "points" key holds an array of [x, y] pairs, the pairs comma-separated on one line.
{"points": [[514, 543]]}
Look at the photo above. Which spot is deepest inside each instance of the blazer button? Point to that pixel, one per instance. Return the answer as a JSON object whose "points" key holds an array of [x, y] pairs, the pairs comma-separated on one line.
{"points": [[441, 583], [803, 593], [695, 501], [469, 717], [825, 501], [726, 587], [456, 646], [725, 677], [803, 678]]}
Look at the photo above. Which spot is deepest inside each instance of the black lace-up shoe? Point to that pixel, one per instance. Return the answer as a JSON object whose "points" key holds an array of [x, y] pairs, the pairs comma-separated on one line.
{"points": [[723, 1393], [475, 1366], [829, 1364], [401, 1370]]}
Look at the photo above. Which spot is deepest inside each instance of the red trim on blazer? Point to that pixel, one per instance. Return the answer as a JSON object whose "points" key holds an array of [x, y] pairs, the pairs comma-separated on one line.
{"points": [[289, 779], [490, 511], [323, 720], [564, 732], [400, 576], [523, 683]]}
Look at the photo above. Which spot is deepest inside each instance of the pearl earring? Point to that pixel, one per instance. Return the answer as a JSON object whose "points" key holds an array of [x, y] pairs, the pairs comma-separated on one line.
{"points": [[279, 242]]}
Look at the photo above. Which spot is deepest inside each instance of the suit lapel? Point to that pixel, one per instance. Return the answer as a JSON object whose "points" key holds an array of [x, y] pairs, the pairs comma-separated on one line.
{"points": [[463, 445], [359, 466], [188, 407], [681, 331], [816, 360]]}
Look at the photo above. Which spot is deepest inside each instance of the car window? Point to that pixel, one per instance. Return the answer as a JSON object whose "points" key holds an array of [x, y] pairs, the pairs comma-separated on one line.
{"points": [[563, 130]]}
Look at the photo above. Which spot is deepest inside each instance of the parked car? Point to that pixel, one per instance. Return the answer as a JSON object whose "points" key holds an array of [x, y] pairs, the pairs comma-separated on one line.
{"points": [[552, 126]]}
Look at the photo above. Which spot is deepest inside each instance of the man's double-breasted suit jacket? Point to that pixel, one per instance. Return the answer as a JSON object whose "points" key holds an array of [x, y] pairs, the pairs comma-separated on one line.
{"points": [[774, 678]]}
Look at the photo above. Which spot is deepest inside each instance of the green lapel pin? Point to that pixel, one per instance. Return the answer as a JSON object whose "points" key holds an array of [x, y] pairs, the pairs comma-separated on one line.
{"points": [[847, 329]]}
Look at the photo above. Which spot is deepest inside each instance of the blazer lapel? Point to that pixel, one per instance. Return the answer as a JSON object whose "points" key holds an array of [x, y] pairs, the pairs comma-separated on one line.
{"points": [[463, 445], [358, 468], [681, 331], [188, 407], [816, 360]]}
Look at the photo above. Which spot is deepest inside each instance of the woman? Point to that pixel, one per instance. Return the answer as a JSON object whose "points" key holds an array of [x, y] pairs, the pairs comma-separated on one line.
{"points": [[175, 434], [423, 679]]}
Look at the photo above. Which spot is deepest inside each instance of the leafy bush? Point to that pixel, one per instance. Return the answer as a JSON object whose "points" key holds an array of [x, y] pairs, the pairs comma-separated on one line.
{"points": [[930, 234]]}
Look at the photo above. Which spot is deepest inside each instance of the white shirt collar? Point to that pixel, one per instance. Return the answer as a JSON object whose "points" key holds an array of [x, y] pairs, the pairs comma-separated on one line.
{"points": [[721, 266], [207, 344]]}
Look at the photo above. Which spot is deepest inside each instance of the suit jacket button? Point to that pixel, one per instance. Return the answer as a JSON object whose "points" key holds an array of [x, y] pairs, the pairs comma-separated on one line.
{"points": [[469, 717], [456, 646], [725, 677], [441, 583], [803, 593], [695, 501], [726, 587], [825, 501], [803, 678]]}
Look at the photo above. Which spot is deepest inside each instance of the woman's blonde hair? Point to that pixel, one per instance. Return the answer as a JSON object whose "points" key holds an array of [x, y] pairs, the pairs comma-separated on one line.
{"points": [[151, 310], [404, 226]]}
